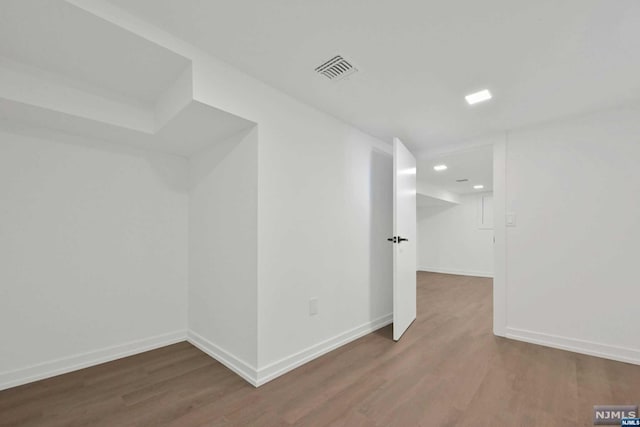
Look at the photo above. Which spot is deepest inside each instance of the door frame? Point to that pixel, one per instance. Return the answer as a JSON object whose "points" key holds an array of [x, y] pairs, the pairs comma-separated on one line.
{"points": [[500, 235]]}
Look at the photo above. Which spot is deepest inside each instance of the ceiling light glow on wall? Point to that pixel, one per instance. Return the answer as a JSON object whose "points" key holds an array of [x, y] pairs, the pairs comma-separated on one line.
{"points": [[474, 98], [478, 187], [440, 168]]}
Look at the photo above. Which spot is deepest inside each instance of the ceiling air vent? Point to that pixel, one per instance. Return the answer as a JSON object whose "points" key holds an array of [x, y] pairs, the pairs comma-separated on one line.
{"points": [[462, 180], [336, 68]]}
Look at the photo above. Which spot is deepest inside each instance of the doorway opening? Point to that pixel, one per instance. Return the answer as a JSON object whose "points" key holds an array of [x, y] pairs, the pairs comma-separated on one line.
{"points": [[455, 216]]}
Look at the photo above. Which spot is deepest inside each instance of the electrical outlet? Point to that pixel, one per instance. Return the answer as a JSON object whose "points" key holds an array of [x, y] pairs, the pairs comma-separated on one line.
{"points": [[313, 306]]}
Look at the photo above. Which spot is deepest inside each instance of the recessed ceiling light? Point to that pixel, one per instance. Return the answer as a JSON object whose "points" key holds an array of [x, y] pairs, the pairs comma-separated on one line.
{"points": [[478, 187], [440, 167], [474, 98]]}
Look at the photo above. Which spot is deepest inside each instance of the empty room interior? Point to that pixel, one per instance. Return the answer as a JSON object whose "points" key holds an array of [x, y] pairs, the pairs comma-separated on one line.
{"points": [[306, 213]]}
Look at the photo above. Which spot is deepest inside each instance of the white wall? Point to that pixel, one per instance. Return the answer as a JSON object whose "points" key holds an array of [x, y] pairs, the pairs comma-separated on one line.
{"points": [[321, 182], [316, 201], [325, 214], [571, 259], [450, 239], [323, 201], [223, 248], [315, 204], [93, 259]]}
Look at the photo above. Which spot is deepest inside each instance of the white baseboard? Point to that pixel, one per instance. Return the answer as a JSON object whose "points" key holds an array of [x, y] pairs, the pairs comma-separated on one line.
{"points": [[457, 272], [620, 354], [240, 367], [289, 363], [80, 361], [255, 377]]}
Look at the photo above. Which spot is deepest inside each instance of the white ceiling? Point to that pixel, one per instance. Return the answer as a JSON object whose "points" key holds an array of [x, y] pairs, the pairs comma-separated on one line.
{"points": [[66, 71], [85, 50], [475, 164], [541, 59]]}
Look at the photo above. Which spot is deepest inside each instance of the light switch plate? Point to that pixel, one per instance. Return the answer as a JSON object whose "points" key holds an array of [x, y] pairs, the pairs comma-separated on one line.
{"points": [[511, 219], [313, 306]]}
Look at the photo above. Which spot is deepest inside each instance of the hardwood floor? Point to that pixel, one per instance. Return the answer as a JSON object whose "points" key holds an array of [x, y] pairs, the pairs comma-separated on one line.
{"points": [[448, 369]]}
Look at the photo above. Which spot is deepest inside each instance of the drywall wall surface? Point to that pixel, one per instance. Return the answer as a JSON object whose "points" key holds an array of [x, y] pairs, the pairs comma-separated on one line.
{"points": [[223, 247], [572, 254], [453, 239], [320, 184], [325, 215], [93, 253]]}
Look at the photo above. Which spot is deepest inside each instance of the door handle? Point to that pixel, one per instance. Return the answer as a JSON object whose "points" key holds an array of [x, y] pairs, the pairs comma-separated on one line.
{"points": [[392, 239], [402, 239]]}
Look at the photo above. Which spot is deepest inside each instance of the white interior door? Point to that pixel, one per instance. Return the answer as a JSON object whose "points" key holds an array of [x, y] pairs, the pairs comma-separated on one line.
{"points": [[404, 238]]}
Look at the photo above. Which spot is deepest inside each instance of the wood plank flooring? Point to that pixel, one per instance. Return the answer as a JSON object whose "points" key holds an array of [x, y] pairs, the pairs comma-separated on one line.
{"points": [[448, 369]]}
